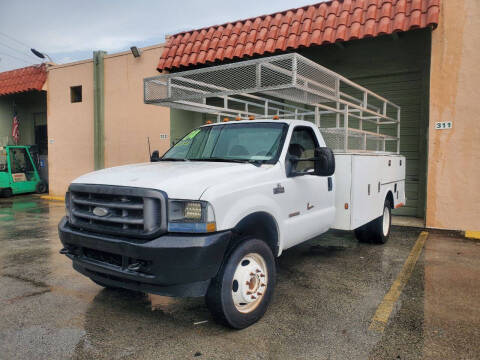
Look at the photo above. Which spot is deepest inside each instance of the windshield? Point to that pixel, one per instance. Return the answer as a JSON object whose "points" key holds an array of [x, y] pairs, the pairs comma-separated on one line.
{"points": [[255, 142]]}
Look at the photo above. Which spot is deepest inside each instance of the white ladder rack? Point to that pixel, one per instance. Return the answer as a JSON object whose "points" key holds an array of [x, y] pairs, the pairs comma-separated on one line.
{"points": [[350, 117]]}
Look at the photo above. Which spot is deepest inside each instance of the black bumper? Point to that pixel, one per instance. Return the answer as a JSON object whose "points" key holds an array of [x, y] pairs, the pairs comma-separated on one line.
{"points": [[171, 265]]}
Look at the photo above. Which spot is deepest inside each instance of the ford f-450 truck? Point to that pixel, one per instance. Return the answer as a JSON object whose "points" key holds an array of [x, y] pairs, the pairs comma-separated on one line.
{"points": [[209, 218], [309, 150]]}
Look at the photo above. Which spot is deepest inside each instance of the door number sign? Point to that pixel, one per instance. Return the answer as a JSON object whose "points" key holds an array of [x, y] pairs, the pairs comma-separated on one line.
{"points": [[443, 125]]}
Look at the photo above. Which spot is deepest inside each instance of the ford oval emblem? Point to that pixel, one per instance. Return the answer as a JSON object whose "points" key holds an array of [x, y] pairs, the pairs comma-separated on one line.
{"points": [[100, 211]]}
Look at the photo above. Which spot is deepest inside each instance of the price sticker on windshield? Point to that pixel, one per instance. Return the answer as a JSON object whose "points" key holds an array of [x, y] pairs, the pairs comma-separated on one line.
{"points": [[443, 125]]}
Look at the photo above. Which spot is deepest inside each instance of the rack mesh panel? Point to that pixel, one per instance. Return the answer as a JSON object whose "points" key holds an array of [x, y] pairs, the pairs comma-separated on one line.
{"points": [[290, 86]]}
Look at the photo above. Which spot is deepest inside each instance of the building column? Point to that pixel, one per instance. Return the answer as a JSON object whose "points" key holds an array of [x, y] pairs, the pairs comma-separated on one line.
{"points": [[98, 110]]}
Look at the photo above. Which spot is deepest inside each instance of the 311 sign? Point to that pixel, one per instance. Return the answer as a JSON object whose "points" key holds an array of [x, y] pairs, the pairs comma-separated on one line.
{"points": [[443, 125]]}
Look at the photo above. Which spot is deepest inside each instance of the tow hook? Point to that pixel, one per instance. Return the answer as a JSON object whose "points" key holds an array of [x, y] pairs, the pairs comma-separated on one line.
{"points": [[135, 266]]}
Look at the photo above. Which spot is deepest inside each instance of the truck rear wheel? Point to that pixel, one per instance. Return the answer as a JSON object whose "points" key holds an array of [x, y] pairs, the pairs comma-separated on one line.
{"points": [[378, 230], [240, 293]]}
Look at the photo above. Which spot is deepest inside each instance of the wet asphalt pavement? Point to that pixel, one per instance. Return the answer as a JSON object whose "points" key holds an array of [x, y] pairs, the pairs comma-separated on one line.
{"points": [[328, 290]]}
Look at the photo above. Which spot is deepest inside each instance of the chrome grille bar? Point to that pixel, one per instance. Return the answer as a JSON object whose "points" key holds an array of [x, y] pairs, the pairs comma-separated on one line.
{"points": [[131, 212]]}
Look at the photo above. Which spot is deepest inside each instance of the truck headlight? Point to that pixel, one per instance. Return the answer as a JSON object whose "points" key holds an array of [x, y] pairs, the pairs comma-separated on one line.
{"points": [[190, 216]]}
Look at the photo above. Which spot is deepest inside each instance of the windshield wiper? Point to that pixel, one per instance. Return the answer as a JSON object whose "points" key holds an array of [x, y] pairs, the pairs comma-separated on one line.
{"points": [[217, 159], [171, 159]]}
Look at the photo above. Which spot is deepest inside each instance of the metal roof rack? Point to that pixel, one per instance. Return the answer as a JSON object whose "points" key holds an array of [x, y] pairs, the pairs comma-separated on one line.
{"points": [[350, 117]]}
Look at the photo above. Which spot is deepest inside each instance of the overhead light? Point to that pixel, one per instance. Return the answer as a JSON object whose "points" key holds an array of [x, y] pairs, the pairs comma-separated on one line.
{"points": [[41, 55], [135, 51]]}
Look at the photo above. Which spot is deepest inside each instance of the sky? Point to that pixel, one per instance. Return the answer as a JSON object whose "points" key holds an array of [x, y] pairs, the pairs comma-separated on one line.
{"points": [[71, 30]]}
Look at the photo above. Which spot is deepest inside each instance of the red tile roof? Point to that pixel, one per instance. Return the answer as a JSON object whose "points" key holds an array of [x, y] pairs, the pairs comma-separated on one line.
{"points": [[323, 23], [24, 79]]}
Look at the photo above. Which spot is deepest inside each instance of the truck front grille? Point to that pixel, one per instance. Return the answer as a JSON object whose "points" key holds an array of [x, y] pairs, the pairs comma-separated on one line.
{"points": [[118, 210]]}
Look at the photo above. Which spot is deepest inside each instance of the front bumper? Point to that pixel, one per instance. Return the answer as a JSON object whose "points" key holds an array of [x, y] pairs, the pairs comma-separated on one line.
{"points": [[171, 265]]}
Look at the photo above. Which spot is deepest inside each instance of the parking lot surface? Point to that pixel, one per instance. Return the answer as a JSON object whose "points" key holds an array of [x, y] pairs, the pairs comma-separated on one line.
{"points": [[328, 291]]}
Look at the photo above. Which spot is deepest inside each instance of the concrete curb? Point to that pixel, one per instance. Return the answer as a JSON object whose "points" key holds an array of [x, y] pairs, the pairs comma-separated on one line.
{"points": [[472, 234], [52, 198]]}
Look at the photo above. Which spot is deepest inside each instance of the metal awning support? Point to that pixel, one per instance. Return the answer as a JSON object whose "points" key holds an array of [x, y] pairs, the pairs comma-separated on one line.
{"points": [[290, 86]]}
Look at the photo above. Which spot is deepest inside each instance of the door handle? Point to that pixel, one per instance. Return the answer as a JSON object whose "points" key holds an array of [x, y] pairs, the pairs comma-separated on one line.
{"points": [[330, 184]]}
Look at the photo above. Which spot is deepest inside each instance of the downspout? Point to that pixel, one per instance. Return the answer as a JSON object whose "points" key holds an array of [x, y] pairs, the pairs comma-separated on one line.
{"points": [[98, 110]]}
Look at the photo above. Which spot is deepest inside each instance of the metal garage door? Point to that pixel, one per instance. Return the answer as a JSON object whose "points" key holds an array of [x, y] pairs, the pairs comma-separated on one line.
{"points": [[407, 90]]}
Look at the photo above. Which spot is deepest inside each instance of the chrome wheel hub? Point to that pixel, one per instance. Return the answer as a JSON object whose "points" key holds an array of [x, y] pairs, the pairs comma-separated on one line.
{"points": [[249, 282]]}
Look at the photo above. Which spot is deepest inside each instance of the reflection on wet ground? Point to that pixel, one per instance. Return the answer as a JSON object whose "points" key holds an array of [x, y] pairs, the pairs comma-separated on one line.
{"points": [[327, 292]]}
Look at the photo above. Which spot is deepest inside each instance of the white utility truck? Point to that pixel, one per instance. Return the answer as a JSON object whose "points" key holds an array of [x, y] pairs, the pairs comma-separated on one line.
{"points": [[294, 151]]}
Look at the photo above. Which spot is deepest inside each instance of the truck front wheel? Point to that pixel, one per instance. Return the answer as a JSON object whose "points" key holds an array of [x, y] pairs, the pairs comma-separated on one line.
{"points": [[240, 293], [378, 230]]}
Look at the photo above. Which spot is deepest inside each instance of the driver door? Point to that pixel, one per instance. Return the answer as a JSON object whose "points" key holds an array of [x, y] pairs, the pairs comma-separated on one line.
{"points": [[310, 208]]}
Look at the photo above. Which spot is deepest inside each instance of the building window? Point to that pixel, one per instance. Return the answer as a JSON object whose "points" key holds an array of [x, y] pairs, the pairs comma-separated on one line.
{"points": [[76, 94]]}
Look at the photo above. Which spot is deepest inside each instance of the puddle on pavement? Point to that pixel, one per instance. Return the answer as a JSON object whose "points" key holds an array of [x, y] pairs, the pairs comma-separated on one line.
{"points": [[192, 308], [163, 303], [334, 240]]}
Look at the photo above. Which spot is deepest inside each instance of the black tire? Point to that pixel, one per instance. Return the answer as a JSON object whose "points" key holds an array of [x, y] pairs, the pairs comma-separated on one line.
{"points": [[219, 296], [374, 231], [6, 193], [362, 233], [41, 187]]}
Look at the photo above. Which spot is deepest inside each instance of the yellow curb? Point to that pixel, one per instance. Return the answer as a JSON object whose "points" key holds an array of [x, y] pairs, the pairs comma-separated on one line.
{"points": [[472, 234], [53, 198], [384, 310]]}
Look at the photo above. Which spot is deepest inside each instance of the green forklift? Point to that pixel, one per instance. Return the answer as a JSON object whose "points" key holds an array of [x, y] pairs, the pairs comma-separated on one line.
{"points": [[18, 171]]}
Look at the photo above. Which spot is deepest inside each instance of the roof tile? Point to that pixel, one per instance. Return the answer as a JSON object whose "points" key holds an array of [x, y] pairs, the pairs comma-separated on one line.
{"points": [[238, 50], [211, 55], [304, 39], [270, 45], [219, 54], [201, 56], [23, 79], [322, 23], [259, 48], [228, 52], [341, 33], [355, 30], [248, 49], [192, 58], [415, 19], [384, 26], [281, 43], [292, 41]]}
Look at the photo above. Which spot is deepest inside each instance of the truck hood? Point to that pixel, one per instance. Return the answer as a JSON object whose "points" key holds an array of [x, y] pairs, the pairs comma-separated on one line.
{"points": [[181, 180]]}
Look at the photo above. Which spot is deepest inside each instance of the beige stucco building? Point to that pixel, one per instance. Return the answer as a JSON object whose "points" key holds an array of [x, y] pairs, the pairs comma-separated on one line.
{"points": [[453, 187], [128, 122], [431, 70]]}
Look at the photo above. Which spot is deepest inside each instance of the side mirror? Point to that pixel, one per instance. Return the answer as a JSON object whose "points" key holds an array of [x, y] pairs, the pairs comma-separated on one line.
{"points": [[324, 161], [155, 156]]}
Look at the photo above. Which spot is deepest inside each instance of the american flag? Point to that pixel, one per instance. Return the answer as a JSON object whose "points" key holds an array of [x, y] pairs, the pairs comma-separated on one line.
{"points": [[15, 127]]}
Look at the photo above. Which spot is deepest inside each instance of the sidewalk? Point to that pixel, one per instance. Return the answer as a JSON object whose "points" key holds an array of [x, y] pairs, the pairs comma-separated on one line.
{"points": [[452, 298]]}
